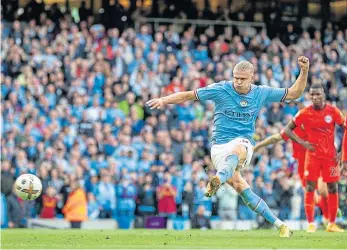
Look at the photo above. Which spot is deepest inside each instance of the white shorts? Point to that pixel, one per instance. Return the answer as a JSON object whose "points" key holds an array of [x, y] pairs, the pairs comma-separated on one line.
{"points": [[221, 151]]}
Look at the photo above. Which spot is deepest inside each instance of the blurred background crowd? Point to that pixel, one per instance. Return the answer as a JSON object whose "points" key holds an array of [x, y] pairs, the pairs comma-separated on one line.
{"points": [[74, 114]]}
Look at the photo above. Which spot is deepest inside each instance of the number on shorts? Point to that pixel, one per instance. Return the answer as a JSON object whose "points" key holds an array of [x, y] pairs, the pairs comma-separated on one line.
{"points": [[333, 171]]}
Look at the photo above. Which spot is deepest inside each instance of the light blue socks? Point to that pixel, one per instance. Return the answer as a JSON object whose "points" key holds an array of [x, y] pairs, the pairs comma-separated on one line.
{"points": [[258, 205], [231, 162]]}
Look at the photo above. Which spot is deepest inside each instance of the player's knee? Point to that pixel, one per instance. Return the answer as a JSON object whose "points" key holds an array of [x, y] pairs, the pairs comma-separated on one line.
{"points": [[239, 184], [332, 188], [323, 192], [323, 189], [310, 186]]}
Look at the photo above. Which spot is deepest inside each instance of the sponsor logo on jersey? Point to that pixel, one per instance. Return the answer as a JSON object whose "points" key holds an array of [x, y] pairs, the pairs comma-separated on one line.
{"points": [[328, 119], [238, 116]]}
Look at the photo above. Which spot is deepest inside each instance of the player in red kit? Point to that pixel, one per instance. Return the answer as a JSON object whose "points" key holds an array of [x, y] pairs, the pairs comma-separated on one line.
{"points": [[344, 148], [319, 120], [299, 152]]}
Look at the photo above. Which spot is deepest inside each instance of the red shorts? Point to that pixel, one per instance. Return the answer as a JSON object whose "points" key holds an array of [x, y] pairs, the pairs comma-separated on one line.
{"points": [[301, 169], [315, 167]]}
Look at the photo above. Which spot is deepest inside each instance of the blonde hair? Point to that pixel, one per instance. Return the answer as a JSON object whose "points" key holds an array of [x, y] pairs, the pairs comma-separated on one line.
{"points": [[244, 65]]}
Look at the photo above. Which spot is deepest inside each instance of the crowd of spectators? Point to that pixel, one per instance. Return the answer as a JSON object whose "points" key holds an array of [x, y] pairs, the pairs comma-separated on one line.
{"points": [[73, 110]]}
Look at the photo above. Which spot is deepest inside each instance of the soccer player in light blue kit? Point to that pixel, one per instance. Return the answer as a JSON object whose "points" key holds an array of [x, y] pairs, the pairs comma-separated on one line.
{"points": [[237, 104]]}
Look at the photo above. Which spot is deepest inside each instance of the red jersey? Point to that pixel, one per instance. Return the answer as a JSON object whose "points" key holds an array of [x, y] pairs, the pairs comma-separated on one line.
{"points": [[344, 144], [298, 150], [167, 204], [320, 128], [172, 88], [48, 208]]}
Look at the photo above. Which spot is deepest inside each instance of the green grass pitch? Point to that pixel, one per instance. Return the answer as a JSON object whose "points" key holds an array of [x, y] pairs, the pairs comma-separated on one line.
{"points": [[164, 239]]}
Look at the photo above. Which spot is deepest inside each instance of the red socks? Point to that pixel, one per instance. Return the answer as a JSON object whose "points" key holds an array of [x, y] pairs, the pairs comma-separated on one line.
{"points": [[323, 205], [333, 206], [309, 206]]}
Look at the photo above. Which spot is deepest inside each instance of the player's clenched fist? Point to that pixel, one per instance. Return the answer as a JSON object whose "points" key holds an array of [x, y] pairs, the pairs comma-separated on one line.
{"points": [[155, 103], [304, 62]]}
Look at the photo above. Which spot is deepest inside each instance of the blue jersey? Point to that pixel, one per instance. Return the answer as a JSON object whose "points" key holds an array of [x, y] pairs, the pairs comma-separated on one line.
{"points": [[235, 114]]}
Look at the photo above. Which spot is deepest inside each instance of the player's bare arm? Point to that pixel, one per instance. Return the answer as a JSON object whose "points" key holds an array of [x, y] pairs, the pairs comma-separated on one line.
{"points": [[295, 91], [341, 156], [289, 131], [268, 141], [176, 98], [344, 147]]}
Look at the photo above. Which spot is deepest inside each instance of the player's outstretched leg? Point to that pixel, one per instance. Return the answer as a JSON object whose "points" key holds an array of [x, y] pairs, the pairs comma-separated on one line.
{"points": [[224, 172], [257, 204]]}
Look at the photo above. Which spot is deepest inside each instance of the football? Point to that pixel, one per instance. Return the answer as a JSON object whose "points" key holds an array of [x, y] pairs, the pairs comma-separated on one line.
{"points": [[28, 187]]}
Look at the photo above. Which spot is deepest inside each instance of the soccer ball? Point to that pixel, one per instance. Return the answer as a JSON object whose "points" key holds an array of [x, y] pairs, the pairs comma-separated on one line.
{"points": [[28, 187]]}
